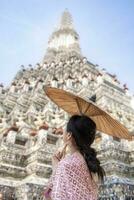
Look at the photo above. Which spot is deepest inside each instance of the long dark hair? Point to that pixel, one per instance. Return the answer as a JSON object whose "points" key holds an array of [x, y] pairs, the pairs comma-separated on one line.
{"points": [[83, 130]]}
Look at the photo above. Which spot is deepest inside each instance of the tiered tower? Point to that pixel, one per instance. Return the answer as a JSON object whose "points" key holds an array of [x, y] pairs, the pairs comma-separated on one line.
{"points": [[30, 125], [64, 41]]}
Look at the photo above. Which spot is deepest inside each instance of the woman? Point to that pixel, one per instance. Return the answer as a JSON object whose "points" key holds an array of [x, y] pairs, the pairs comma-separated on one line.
{"points": [[73, 175]]}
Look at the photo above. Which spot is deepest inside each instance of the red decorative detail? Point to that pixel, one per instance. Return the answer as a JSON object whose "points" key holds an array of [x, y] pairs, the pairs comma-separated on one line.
{"points": [[58, 131], [53, 130], [33, 133], [13, 128], [44, 126]]}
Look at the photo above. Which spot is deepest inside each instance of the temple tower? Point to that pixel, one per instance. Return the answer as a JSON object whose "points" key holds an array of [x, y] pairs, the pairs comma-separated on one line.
{"points": [[64, 41]]}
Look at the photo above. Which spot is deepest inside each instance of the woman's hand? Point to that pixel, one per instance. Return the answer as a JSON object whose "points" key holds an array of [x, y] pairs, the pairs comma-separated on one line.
{"points": [[58, 156], [55, 159]]}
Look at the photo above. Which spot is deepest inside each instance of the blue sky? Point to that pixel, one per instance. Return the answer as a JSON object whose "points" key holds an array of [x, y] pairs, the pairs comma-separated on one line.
{"points": [[106, 29]]}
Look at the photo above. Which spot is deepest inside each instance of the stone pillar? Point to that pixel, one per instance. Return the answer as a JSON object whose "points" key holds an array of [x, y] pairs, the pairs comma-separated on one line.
{"points": [[42, 136], [11, 137]]}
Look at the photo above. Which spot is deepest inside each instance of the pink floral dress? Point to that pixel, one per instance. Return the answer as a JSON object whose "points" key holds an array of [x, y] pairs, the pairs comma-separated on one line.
{"points": [[72, 180]]}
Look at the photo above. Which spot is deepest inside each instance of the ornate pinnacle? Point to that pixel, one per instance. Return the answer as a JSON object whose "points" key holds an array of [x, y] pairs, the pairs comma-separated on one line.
{"points": [[66, 20]]}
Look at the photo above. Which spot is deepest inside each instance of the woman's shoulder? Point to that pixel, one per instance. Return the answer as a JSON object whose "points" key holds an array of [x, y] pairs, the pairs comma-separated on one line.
{"points": [[72, 160]]}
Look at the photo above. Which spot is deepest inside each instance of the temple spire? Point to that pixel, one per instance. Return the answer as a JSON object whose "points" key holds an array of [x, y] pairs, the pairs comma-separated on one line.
{"points": [[64, 41], [66, 20]]}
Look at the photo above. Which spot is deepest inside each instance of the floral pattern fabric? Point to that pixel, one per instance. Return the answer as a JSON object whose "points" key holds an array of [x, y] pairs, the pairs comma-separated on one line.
{"points": [[72, 180]]}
